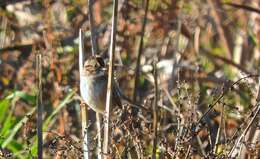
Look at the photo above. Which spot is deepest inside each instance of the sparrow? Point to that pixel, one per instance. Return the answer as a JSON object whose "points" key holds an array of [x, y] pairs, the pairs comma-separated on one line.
{"points": [[93, 85]]}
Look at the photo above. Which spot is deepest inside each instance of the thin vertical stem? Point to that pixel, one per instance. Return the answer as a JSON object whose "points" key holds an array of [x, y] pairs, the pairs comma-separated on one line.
{"points": [[94, 50], [110, 78], [39, 104], [93, 36], [155, 111], [99, 146], [3, 32], [84, 123], [140, 51], [219, 130], [81, 52], [84, 112], [188, 152], [175, 69]]}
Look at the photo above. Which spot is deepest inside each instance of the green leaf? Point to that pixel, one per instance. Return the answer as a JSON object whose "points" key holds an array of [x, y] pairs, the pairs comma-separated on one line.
{"points": [[34, 150], [15, 146], [17, 127], [65, 101], [25, 96], [51, 118], [3, 108], [7, 125]]}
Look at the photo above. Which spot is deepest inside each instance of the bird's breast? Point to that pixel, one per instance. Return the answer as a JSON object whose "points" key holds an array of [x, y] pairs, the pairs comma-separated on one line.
{"points": [[93, 92]]}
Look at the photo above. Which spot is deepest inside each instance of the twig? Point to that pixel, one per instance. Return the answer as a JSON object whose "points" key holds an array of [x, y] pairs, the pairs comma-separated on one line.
{"points": [[231, 140], [197, 40], [210, 140], [188, 152], [241, 6], [155, 112], [224, 125], [219, 131], [248, 126], [140, 51], [222, 95], [227, 61], [39, 104], [176, 70], [245, 131], [84, 117], [93, 35], [110, 78]]}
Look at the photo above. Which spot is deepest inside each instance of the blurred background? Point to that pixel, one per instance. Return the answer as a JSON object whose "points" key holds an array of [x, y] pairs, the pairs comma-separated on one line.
{"points": [[201, 48]]}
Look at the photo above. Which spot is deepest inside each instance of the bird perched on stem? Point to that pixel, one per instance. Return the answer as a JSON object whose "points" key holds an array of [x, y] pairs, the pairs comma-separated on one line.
{"points": [[94, 85]]}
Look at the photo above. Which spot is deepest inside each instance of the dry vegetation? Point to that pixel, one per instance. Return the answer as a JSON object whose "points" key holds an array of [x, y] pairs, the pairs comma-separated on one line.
{"points": [[203, 97]]}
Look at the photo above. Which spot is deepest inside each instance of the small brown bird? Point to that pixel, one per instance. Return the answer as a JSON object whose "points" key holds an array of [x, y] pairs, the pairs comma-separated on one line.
{"points": [[94, 85]]}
